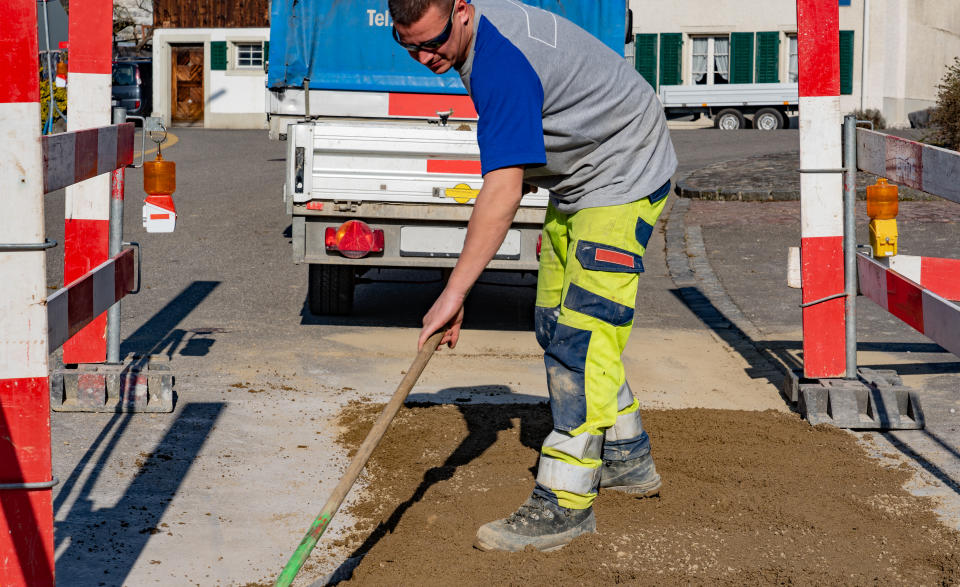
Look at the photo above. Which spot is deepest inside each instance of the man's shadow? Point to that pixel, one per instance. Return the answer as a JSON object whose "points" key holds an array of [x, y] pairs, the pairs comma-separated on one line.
{"points": [[484, 423]]}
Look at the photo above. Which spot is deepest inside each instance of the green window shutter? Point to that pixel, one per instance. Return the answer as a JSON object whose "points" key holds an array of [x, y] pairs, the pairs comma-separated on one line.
{"points": [[266, 50], [741, 58], [768, 58], [218, 55], [670, 44], [645, 58], [846, 62]]}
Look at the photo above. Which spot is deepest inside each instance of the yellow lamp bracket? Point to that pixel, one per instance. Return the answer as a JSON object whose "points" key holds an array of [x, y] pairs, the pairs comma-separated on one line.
{"points": [[883, 237]]}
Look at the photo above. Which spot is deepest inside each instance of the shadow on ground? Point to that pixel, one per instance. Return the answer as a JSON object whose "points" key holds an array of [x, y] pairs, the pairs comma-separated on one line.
{"points": [[500, 300], [100, 545], [484, 423]]}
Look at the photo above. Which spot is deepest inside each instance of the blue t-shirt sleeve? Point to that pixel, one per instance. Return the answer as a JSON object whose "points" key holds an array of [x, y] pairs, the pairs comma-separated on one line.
{"points": [[508, 96]]}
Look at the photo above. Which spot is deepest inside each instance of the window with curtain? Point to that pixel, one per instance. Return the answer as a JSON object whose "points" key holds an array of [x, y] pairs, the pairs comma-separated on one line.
{"points": [[711, 60], [793, 74]]}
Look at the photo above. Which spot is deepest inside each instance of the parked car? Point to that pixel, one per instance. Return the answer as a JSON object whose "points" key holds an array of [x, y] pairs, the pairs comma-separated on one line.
{"points": [[133, 85]]}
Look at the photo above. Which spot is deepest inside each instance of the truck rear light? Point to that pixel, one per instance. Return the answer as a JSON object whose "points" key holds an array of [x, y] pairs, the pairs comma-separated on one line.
{"points": [[354, 239], [539, 244], [137, 107]]}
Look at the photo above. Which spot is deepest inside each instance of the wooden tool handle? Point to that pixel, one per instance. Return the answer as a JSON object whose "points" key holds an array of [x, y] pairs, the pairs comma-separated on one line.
{"points": [[359, 461]]}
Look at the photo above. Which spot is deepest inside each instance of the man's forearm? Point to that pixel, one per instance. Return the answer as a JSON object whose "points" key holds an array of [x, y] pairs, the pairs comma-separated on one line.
{"points": [[493, 213]]}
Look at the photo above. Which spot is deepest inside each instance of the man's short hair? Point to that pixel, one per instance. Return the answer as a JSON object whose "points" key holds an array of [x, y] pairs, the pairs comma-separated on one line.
{"points": [[407, 12]]}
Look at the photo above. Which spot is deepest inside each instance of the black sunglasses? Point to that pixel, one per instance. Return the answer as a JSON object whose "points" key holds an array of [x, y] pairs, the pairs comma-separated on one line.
{"points": [[431, 44]]}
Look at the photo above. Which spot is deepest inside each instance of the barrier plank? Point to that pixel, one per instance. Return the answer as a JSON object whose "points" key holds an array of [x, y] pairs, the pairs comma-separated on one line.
{"points": [[71, 308], [928, 313], [72, 157], [924, 167]]}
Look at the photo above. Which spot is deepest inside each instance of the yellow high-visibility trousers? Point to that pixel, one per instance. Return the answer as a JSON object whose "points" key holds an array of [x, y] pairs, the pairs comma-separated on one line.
{"points": [[590, 263]]}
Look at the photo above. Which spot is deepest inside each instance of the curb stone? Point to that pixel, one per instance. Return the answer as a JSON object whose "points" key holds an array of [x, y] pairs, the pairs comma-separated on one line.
{"points": [[702, 292]]}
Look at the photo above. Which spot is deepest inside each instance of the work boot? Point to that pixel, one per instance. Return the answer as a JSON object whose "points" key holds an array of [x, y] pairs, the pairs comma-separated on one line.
{"points": [[636, 476], [538, 523]]}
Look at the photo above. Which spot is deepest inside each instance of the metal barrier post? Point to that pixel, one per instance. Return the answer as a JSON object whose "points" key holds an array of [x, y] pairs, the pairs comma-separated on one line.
{"points": [[850, 239], [117, 178], [26, 511]]}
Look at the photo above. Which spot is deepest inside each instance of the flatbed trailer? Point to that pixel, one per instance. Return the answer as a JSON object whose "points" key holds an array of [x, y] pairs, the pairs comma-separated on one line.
{"points": [[768, 105]]}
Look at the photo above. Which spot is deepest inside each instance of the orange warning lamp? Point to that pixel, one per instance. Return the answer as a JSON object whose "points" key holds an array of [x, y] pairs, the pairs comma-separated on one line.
{"points": [[159, 181], [882, 208]]}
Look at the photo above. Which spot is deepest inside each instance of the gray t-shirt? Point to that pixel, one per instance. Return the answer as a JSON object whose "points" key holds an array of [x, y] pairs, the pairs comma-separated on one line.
{"points": [[603, 140]]}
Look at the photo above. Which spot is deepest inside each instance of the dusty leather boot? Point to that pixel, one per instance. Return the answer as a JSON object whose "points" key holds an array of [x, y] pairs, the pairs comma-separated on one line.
{"points": [[636, 476], [538, 523]]}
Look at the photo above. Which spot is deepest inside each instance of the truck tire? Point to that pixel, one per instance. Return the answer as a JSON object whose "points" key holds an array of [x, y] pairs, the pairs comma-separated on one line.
{"points": [[729, 119], [768, 119], [330, 289]]}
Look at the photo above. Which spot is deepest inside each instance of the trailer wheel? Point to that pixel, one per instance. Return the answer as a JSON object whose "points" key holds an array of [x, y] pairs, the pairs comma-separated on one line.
{"points": [[330, 289], [767, 119], [729, 119]]}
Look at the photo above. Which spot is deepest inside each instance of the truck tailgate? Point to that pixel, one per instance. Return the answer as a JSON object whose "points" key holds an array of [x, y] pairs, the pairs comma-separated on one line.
{"points": [[417, 163]]}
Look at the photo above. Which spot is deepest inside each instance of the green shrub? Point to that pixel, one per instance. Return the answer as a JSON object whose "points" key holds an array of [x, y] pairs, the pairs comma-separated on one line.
{"points": [[59, 94], [873, 115], [945, 118]]}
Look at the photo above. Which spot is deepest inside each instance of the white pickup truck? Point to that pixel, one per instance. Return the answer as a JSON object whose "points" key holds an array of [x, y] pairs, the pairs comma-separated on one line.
{"points": [[769, 104]]}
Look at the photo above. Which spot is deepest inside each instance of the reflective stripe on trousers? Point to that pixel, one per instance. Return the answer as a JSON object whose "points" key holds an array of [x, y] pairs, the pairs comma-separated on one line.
{"points": [[586, 291]]}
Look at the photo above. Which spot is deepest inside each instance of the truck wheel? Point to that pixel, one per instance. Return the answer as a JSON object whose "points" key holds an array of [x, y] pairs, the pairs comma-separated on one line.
{"points": [[330, 289], [729, 119], [767, 119]]}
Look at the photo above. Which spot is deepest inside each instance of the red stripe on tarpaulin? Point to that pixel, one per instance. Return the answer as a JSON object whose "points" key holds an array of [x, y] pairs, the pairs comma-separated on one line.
{"points": [[818, 47], [26, 526], [85, 154], [453, 166], [91, 51], [125, 144], [85, 246], [941, 276], [429, 104], [613, 257], [904, 161], [905, 300], [19, 76], [824, 330]]}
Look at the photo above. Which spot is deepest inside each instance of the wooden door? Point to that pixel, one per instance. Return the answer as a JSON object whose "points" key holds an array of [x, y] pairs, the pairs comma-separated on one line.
{"points": [[187, 84]]}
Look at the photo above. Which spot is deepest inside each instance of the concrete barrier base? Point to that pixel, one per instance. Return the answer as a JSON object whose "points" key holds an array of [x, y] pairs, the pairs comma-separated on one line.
{"points": [[141, 385], [876, 400]]}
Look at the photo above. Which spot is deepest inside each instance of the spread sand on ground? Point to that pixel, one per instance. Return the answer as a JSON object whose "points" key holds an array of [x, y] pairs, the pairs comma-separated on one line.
{"points": [[748, 497]]}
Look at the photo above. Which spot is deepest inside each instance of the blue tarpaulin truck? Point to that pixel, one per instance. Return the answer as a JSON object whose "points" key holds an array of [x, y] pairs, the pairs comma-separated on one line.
{"points": [[382, 158]]}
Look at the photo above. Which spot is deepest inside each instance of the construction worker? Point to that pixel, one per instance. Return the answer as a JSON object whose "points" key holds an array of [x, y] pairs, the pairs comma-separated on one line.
{"points": [[560, 110]]}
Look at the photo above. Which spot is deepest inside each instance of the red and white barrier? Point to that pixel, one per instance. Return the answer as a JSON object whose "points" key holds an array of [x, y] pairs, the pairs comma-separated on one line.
{"points": [[26, 516], [72, 157], [923, 167], [930, 314], [821, 194], [73, 307], [87, 218], [941, 276]]}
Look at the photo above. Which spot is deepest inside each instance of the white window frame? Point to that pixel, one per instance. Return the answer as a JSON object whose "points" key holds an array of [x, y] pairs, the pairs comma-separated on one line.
{"points": [[237, 48], [711, 58], [792, 76]]}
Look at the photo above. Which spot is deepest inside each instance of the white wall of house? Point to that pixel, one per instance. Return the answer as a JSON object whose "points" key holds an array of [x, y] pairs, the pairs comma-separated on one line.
{"points": [[909, 42], [233, 98]]}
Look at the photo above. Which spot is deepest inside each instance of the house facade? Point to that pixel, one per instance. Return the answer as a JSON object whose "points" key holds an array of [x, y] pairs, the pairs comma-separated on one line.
{"points": [[208, 62], [893, 53]]}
